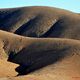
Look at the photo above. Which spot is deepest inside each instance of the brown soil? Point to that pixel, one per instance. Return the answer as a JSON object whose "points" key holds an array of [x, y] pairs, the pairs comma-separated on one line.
{"points": [[42, 43]]}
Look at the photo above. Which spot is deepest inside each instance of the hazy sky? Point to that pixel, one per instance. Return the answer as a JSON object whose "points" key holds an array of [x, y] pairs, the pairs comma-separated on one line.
{"points": [[73, 5]]}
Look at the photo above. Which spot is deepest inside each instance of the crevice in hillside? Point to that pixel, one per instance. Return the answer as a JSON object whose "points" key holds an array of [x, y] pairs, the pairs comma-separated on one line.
{"points": [[24, 27], [55, 31]]}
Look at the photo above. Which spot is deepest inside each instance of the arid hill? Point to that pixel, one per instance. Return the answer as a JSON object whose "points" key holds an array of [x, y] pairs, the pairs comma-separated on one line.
{"points": [[47, 54], [40, 22], [41, 43]]}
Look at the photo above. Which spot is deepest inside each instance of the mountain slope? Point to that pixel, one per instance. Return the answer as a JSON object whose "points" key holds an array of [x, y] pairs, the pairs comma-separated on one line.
{"points": [[35, 53], [43, 41], [41, 22]]}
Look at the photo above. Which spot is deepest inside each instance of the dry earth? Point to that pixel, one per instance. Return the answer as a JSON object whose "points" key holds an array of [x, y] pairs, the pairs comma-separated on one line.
{"points": [[47, 46]]}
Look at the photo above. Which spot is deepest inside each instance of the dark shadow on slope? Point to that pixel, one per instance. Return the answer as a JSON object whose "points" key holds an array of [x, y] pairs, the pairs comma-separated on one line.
{"points": [[3, 14], [25, 27], [55, 31], [30, 25], [8, 19], [11, 56], [33, 61]]}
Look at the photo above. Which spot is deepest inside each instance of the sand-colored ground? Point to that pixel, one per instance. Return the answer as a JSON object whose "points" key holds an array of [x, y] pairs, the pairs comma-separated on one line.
{"points": [[61, 60], [23, 57], [7, 69]]}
